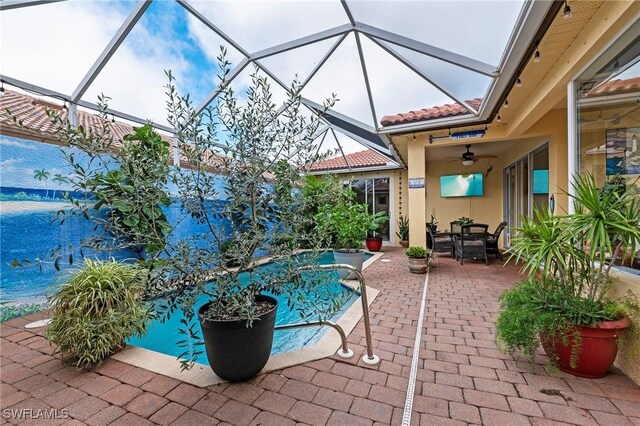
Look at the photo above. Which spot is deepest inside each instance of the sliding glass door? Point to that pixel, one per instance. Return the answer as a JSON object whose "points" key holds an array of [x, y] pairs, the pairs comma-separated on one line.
{"points": [[375, 193], [526, 186]]}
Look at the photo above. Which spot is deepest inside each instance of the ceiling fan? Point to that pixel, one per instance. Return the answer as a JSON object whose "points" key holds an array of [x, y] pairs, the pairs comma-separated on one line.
{"points": [[468, 158]]}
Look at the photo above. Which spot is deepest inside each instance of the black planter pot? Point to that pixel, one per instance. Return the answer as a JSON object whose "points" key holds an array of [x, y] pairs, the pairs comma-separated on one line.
{"points": [[237, 352]]}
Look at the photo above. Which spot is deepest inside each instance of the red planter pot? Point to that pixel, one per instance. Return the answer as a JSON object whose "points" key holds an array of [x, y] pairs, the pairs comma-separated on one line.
{"points": [[598, 349], [374, 243]]}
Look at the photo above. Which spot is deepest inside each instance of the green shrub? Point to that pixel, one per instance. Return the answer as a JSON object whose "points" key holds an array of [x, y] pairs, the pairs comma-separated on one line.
{"points": [[346, 224], [417, 252], [568, 259], [533, 307], [96, 310]]}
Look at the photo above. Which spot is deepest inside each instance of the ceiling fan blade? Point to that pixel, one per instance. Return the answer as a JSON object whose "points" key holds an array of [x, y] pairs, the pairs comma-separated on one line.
{"points": [[454, 161], [485, 156]]}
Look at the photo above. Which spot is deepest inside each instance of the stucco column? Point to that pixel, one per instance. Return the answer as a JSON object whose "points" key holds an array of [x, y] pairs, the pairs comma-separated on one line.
{"points": [[416, 166]]}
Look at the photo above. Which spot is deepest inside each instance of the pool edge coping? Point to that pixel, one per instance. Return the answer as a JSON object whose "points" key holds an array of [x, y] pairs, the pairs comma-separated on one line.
{"points": [[201, 375]]}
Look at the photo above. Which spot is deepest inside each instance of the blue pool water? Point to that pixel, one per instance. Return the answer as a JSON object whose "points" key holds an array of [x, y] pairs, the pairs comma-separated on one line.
{"points": [[163, 337]]}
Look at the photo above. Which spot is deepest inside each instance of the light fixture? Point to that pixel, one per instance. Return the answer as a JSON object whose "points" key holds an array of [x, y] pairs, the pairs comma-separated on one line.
{"points": [[499, 120], [567, 10], [518, 82], [64, 105], [616, 64], [468, 162], [506, 103], [536, 56], [113, 119], [1, 88]]}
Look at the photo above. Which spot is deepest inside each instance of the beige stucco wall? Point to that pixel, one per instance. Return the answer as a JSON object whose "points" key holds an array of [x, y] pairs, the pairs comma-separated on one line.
{"points": [[629, 350]]}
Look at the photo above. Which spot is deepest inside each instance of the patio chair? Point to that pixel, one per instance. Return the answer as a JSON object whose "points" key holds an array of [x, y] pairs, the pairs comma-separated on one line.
{"points": [[492, 240], [439, 243], [471, 242]]}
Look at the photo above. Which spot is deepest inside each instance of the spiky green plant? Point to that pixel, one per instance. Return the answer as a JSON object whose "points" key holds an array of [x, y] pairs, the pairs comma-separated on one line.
{"points": [[96, 310], [568, 259]]}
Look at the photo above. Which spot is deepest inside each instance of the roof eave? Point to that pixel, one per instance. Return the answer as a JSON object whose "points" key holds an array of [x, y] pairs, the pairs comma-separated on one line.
{"points": [[345, 170]]}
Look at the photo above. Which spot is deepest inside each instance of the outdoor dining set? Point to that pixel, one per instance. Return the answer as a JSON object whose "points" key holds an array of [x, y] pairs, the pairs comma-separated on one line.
{"points": [[471, 240]]}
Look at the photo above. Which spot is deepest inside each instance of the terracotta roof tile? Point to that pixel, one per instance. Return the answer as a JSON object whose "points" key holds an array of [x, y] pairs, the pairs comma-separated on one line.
{"points": [[367, 158], [31, 111], [36, 125], [616, 87], [448, 110], [612, 87]]}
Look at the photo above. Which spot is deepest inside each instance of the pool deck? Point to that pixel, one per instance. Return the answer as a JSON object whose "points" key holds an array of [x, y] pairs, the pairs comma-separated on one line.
{"points": [[460, 376]]}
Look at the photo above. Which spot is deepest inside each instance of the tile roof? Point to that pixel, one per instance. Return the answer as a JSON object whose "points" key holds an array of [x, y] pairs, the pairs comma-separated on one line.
{"points": [[612, 87], [36, 125], [360, 159], [616, 87], [448, 110], [31, 111]]}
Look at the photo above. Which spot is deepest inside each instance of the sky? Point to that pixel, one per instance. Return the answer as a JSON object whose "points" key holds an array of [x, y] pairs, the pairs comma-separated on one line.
{"points": [[54, 45]]}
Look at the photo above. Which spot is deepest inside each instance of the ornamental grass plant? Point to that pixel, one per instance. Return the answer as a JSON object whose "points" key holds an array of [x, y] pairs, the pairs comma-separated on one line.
{"points": [[96, 310]]}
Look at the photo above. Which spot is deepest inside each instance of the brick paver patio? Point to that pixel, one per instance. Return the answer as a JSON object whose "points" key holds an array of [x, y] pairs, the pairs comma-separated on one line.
{"points": [[462, 377]]}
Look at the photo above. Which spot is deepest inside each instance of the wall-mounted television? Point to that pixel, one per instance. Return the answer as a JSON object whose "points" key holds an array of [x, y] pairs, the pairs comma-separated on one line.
{"points": [[465, 185]]}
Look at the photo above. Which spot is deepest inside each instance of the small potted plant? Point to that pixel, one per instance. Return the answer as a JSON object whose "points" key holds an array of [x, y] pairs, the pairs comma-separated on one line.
{"points": [[564, 302], [462, 220], [374, 241], [418, 259], [96, 310], [403, 231]]}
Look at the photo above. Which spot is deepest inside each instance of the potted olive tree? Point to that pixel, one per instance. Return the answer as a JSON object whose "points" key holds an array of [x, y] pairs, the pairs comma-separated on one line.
{"points": [[253, 157], [564, 302]]}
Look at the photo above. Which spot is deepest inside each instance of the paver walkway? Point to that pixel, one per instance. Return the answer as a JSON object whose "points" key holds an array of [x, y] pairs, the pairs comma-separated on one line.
{"points": [[462, 378]]}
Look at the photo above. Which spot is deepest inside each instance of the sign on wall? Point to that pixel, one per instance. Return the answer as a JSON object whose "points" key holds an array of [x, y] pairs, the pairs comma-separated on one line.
{"points": [[416, 183]]}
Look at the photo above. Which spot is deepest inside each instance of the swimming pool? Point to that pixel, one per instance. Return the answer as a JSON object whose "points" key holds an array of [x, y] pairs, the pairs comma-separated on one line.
{"points": [[163, 337]]}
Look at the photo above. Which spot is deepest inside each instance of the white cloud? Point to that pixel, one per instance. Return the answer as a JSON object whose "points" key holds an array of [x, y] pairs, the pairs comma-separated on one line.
{"points": [[54, 45], [9, 163], [4, 141]]}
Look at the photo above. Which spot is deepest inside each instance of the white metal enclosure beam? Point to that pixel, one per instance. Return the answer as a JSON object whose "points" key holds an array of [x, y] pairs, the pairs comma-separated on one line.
{"points": [[429, 50], [422, 74], [17, 4], [302, 41], [111, 48]]}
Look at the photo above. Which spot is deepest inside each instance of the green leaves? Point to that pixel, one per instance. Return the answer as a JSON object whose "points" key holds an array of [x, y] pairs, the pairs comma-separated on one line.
{"points": [[568, 259], [416, 252], [96, 310]]}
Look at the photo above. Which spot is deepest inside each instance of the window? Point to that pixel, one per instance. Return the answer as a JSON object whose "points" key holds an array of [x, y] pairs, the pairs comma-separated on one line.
{"points": [[375, 193], [608, 111]]}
